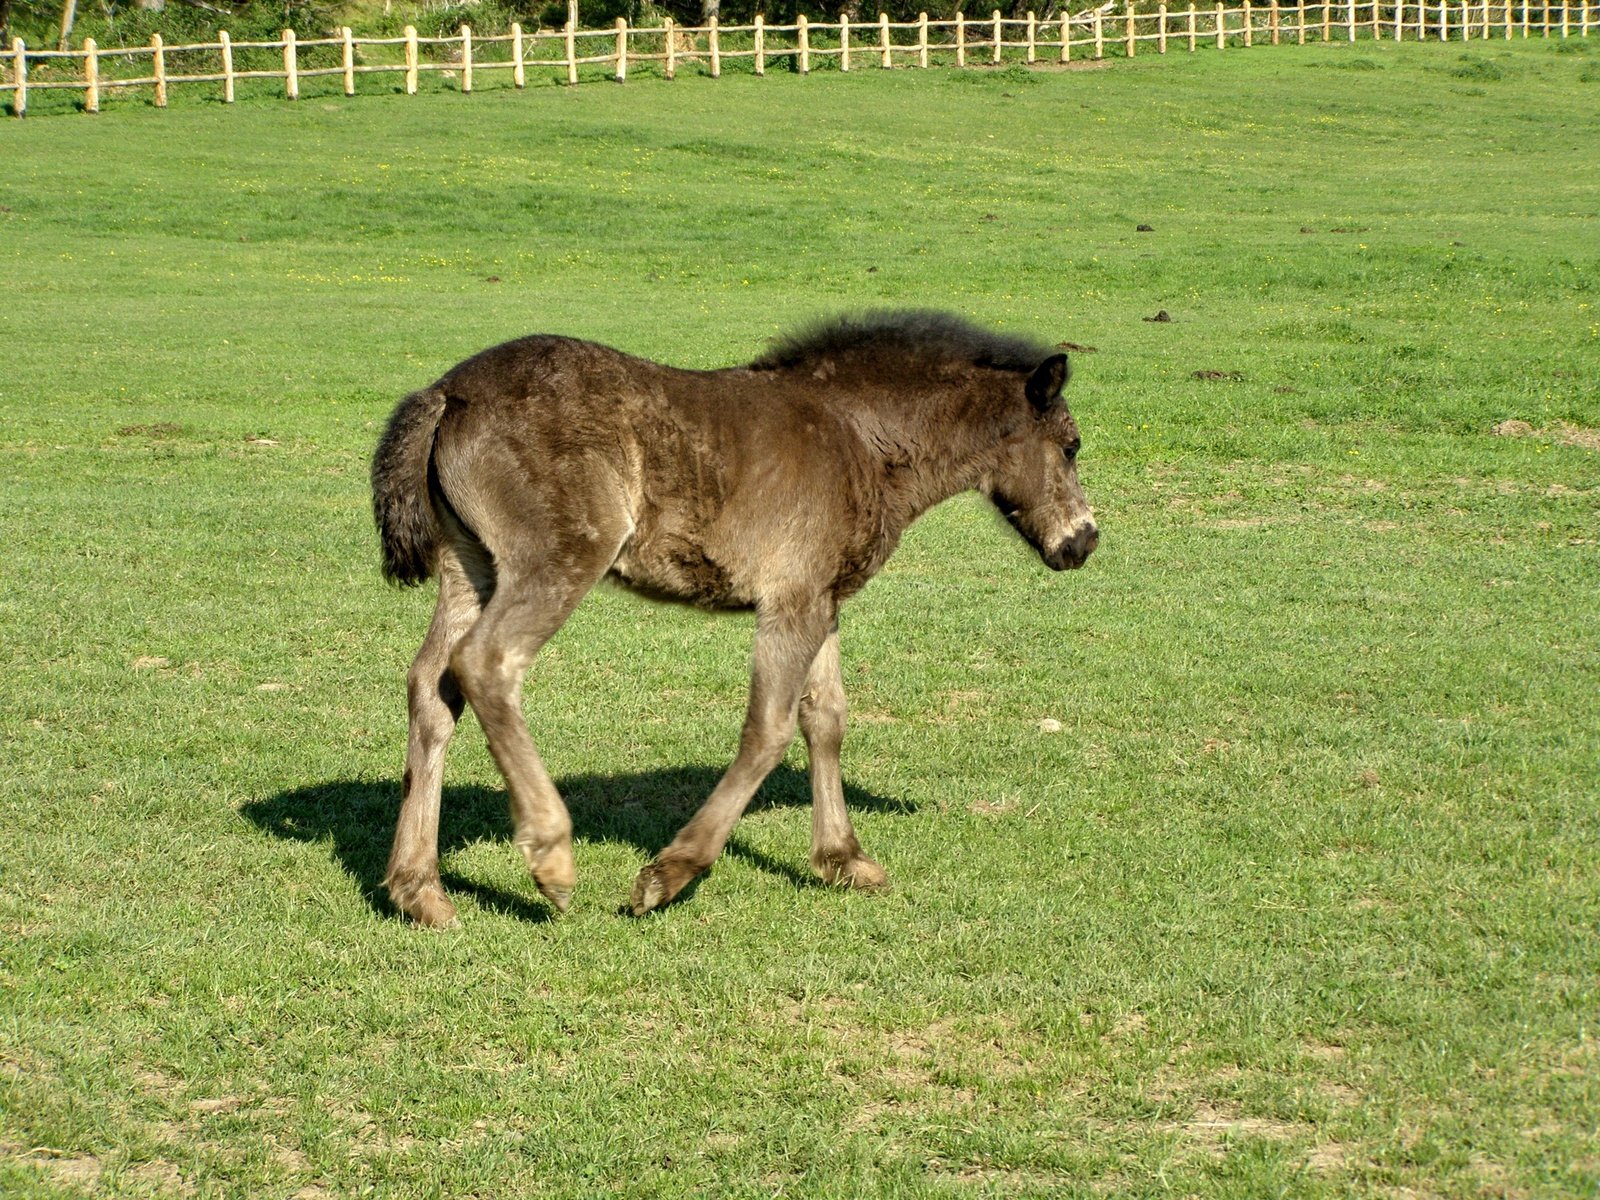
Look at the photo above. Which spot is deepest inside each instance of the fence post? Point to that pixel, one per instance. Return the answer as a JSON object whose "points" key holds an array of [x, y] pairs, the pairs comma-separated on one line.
{"points": [[1444, 20], [883, 37], [1399, 19], [961, 38], [1222, 27], [1350, 18], [1546, 21], [761, 45], [1327, 20], [411, 60], [1194, 24], [922, 39], [158, 68], [715, 48], [227, 65], [1099, 36], [1249, 24], [1033, 39], [844, 40], [466, 60], [803, 35], [1566, 18], [999, 36], [1132, 45], [519, 72], [1273, 18], [569, 35], [1300, 22], [1161, 31], [19, 76], [622, 49], [347, 59], [91, 76], [291, 66], [1066, 38]]}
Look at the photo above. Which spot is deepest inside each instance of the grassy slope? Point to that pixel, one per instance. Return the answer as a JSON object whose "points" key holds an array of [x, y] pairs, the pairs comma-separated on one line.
{"points": [[1301, 898]]}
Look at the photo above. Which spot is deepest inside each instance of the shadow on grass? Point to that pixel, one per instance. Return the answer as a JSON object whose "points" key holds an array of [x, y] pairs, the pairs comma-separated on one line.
{"points": [[643, 810]]}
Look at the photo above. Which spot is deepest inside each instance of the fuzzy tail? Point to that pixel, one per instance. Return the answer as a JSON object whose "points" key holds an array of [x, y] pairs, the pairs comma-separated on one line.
{"points": [[406, 523]]}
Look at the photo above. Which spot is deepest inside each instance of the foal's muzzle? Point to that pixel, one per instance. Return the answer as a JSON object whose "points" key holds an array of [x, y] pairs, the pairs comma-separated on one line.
{"points": [[1075, 549]]}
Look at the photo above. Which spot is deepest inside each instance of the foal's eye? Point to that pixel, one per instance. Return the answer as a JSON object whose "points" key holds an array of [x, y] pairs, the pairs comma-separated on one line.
{"points": [[1072, 454]]}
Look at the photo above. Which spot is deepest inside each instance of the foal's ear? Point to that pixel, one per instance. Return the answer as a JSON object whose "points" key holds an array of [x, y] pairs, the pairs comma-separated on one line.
{"points": [[1046, 382]]}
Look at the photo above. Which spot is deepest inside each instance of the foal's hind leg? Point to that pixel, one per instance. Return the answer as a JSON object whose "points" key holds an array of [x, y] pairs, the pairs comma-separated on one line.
{"points": [[835, 853], [489, 663], [435, 703]]}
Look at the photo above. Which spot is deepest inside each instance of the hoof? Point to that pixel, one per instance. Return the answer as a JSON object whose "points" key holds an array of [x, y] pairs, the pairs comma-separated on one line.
{"points": [[555, 873], [657, 884], [560, 898], [426, 905], [859, 872]]}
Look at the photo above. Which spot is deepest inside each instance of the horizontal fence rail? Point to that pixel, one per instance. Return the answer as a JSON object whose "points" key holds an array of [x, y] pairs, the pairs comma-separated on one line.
{"points": [[961, 41]]}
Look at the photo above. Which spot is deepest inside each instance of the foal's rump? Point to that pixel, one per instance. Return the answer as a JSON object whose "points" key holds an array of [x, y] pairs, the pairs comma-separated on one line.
{"points": [[518, 450]]}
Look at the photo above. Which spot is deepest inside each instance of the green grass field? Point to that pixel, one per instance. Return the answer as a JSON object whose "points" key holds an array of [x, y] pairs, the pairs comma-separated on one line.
{"points": [[1302, 899]]}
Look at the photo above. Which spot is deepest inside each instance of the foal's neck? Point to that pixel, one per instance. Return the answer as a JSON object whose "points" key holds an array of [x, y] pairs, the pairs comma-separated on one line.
{"points": [[934, 443]]}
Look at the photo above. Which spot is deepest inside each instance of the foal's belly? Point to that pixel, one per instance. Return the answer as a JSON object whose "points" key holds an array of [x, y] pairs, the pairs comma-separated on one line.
{"points": [[679, 571]]}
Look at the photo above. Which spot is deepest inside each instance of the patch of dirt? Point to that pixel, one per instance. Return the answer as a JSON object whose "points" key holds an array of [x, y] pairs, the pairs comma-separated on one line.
{"points": [[873, 716], [1513, 428], [991, 808], [1074, 348], [1077, 64], [957, 707], [1562, 432], [1128, 1025], [1577, 435], [83, 1171], [58, 1166], [161, 429], [207, 1106], [1328, 1157], [1217, 1123], [1230, 376], [1163, 317]]}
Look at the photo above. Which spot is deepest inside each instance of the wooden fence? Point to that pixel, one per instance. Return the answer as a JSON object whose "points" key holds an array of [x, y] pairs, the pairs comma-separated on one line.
{"points": [[962, 41]]}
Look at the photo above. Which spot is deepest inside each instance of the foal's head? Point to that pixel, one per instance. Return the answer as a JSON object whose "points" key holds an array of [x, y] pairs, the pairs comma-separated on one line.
{"points": [[1034, 477]]}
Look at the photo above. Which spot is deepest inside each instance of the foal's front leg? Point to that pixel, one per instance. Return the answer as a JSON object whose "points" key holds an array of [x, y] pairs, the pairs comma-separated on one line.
{"points": [[835, 853], [786, 644]]}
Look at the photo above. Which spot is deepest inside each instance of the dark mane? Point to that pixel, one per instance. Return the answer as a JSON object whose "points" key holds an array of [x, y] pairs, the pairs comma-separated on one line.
{"points": [[920, 333]]}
